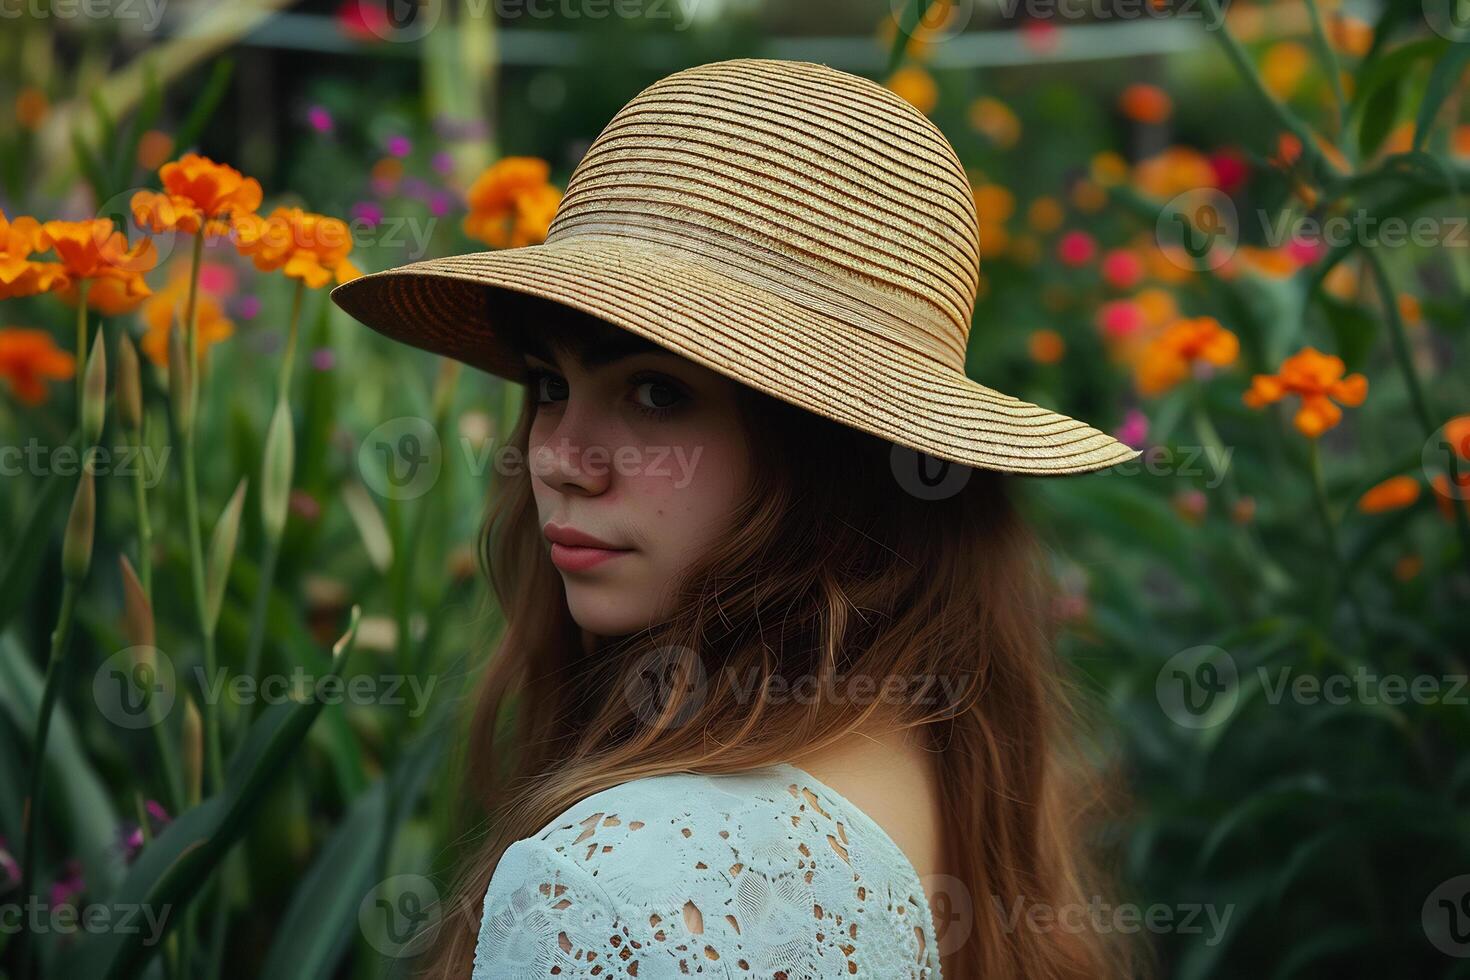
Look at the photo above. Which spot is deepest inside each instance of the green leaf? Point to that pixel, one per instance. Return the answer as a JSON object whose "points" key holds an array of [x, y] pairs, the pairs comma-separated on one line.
{"points": [[175, 867], [204, 106], [90, 166], [1442, 82], [1354, 329], [321, 919], [1379, 113], [24, 562], [910, 18], [81, 814]]}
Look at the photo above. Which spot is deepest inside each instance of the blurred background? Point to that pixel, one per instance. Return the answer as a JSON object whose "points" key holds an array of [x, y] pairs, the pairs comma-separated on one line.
{"points": [[1237, 238]]}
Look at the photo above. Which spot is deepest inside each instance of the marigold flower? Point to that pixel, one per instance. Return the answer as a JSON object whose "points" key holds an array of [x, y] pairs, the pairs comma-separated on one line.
{"points": [[1046, 346], [19, 275], [94, 249], [306, 246], [1445, 496], [28, 359], [195, 190], [1457, 434], [1350, 35], [1395, 493], [994, 239], [1108, 169], [993, 203], [916, 86], [511, 204], [996, 121], [1284, 66], [1144, 103], [1177, 169], [1171, 356], [1045, 215], [165, 307], [1318, 379], [1088, 196]]}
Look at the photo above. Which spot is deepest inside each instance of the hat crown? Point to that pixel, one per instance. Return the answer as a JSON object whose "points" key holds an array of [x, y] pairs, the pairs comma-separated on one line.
{"points": [[821, 185]]}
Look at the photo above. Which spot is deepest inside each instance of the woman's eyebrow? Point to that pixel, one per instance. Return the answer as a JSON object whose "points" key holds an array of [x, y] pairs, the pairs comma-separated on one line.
{"points": [[604, 350]]}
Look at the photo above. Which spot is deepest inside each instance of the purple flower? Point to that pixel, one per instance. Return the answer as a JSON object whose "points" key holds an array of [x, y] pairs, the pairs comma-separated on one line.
{"points": [[319, 118], [400, 146], [131, 834], [323, 359], [1134, 429], [9, 869], [248, 307], [443, 162], [69, 885], [369, 212], [439, 204]]}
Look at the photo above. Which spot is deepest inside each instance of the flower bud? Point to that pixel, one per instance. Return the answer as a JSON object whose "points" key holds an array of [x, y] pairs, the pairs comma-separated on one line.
{"points": [[137, 610], [129, 386], [94, 391], [222, 553], [275, 484], [193, 750], [76, 546]]}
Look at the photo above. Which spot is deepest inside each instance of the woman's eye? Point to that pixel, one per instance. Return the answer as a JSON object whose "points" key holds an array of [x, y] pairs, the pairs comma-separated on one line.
{"points": [[548, 387], [655, 397]]}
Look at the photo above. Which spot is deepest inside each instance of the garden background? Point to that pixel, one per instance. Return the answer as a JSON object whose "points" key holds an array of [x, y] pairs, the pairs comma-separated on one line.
{"points": [[1235, 238]]}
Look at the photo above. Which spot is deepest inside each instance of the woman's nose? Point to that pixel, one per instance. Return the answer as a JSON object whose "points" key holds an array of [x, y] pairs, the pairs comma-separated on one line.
{"points": [[576, 456]]}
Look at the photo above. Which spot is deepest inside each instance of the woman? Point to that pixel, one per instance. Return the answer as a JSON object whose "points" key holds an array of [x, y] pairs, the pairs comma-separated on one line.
{"points": [[775, 697]]}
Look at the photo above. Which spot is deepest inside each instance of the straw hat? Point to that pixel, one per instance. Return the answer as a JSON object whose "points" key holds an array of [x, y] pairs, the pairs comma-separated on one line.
{"points": [[799, 229]]}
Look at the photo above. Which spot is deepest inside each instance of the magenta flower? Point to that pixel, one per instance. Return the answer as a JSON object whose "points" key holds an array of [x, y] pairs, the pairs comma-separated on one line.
{"points": [[319, 118]]}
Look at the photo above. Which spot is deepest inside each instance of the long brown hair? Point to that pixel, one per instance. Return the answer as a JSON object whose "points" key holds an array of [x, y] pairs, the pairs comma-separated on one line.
{"points": [[830, 570]]}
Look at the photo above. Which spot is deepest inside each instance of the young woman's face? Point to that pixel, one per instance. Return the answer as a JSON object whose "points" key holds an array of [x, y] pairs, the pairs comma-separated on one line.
{"points": [[638, 449]]}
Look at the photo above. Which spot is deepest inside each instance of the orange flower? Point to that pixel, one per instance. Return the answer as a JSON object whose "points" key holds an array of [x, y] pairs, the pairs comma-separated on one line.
{"points": [[1444, 499], [1395, 493], [94, 250], [511, 204], [1045, 215], [916, 86], [306, 246], [196, 190], [29, 358], [1350, 35], [1145, 103], [994, 204], [19, 276], [1046, 346], [996, 121], [31, 107], [1174, 171], [1169, 359], [1317, 378], [1284, 66], [1457, 434], [166, 307], [1108, 169]]}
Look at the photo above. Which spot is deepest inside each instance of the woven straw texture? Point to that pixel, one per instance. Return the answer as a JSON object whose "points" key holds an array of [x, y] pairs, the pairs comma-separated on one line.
{"points": [[797, 228]]}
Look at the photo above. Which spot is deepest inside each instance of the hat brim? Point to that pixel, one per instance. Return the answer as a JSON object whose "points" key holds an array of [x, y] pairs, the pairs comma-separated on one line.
{"points": [[754, 336]]}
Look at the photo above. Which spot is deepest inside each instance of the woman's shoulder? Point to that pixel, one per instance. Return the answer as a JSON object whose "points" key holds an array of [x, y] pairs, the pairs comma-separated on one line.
{"points": [[681, 874]]}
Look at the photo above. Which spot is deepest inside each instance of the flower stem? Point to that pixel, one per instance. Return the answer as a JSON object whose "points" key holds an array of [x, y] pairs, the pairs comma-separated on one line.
{"points": [[81, 344], [1329, 526], [30, 818], [1329, 62], [145, 527], [1400, 338]]}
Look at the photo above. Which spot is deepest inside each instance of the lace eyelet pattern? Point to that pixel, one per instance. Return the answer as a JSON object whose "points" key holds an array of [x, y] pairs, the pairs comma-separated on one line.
{"points": [[763, 874]]}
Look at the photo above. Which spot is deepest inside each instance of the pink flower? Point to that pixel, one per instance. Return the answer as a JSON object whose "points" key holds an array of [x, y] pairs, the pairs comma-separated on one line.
{"points": [[1121, 318], [9, 869], [1122, 269], [1076, 248], [69, 885], [1134, 429], [319, 119], [399, 146]]}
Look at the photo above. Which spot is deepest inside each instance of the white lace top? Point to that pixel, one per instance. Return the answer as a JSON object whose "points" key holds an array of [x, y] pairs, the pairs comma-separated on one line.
{"points": [[762, 874]]}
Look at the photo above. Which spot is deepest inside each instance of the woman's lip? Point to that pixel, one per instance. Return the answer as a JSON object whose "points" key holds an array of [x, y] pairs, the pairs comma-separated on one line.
{"points": [[573, 558]]}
